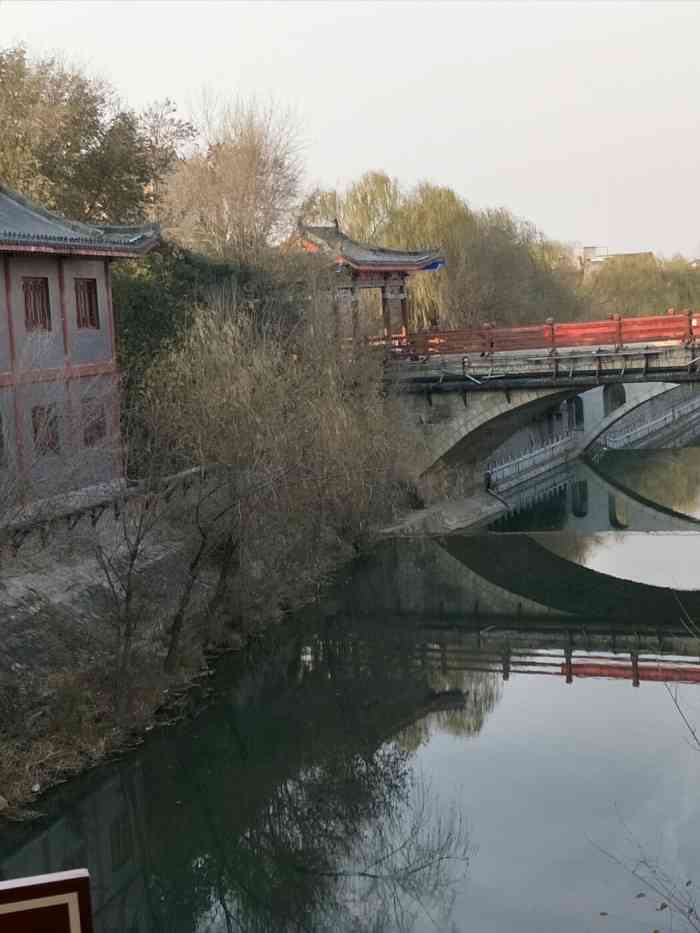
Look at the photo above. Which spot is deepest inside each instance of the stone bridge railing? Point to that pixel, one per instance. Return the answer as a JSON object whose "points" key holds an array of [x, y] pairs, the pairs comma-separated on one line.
{"points": [[516, 470], [621, 439]]}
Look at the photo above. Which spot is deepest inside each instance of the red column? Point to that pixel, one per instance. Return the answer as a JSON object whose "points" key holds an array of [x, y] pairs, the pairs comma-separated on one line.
{"points": [[110, 310], [64, 318], [355, 312], [404, 309], [19, 444], [386, 313]]}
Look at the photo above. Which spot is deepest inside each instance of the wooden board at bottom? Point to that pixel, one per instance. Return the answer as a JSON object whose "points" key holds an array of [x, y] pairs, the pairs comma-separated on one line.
{"points": [[58, 903]]}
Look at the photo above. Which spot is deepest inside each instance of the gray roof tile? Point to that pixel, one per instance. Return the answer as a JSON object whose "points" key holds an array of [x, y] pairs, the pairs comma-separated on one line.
{"points": [[332, 239], [24, 225]]}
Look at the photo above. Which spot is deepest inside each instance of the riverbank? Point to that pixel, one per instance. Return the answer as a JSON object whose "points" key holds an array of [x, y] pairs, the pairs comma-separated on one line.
{"points": [[60, 708], [448, 516]]}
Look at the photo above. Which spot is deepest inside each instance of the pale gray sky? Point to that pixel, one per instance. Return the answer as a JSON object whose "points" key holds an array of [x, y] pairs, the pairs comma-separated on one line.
{"points": [[582, 117]]}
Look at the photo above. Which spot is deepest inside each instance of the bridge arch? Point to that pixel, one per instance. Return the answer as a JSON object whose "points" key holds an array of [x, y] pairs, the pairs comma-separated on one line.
{"points": [[529, 569], [466, 427], [643, 394], [617, 512], [614, 397]]}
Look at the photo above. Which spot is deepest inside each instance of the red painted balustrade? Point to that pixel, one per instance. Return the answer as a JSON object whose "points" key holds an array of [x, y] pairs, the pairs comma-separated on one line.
{"points": [[676, 327]]}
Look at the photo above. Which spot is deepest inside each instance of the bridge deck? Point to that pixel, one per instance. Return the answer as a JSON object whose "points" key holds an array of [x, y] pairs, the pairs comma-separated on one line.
{"points": [[665, 362]]}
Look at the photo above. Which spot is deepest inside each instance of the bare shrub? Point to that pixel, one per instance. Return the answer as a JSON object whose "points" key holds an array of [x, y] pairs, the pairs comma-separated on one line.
{"points": [[298, 445]]}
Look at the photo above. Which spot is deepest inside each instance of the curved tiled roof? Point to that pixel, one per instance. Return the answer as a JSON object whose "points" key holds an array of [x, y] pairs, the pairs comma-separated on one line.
{"points": [[26, 227], [364, 255]]}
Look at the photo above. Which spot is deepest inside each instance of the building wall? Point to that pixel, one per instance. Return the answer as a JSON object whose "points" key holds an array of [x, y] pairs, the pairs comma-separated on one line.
{"points": [[54, 371], [87, 345], [5, 360], [37, 350]]}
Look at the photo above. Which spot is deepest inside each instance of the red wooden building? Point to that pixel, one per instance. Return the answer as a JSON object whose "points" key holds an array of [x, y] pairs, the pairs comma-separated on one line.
{"points": [[59, 424], [360, 266]]}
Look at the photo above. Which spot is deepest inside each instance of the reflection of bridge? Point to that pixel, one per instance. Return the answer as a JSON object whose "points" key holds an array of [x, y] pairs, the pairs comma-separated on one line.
{"points": [[522, 565], [510, 580], [585, 501], [565, 662], [495, 576]]}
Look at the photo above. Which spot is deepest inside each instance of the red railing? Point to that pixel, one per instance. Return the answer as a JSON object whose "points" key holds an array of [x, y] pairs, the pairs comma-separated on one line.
{"points": [[660, 673], [678, 327]]}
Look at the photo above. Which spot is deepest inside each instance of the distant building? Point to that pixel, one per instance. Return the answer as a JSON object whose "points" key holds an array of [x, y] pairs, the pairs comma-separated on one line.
{"points": [[59, 401], [363, 266], [592, 258]]}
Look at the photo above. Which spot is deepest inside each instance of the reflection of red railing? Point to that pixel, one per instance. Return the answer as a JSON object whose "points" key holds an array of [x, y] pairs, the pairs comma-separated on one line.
{"points": [[659, 672], [678, 327]]}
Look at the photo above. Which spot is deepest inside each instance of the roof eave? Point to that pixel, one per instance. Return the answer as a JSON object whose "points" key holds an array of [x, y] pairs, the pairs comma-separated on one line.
{"points": [[391, 266], [79, 249]]}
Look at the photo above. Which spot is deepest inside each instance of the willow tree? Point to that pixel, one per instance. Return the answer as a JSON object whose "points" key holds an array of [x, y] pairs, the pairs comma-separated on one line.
{"points": [[498, 268]]}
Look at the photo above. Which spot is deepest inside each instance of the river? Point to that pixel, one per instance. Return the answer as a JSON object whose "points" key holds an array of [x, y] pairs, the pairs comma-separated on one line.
{"points": [[487, 732]]}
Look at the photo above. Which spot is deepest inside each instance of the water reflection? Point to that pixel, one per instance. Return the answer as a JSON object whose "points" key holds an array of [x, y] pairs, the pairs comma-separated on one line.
{"points": [[632, 516], [292, 806], [319, 792], [509, 684], [668, 478]]}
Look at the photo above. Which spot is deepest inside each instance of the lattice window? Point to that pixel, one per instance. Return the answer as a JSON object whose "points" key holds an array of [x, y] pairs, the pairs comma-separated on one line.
{"points": [[37, 310], [47, 438], [86, 303], [94, 422]]}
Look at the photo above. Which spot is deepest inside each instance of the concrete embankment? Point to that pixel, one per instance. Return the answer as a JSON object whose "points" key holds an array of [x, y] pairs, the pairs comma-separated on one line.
{"points": [[451, 515]]}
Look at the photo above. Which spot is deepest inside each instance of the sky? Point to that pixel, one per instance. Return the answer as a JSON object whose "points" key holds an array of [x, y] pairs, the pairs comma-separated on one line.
{"points": [[580, 117]]}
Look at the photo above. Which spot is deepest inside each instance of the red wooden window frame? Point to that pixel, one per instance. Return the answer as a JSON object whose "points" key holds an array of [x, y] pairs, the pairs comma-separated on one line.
{"points": [[37, 303], [47, 438], [87, 310], [94, 422]]}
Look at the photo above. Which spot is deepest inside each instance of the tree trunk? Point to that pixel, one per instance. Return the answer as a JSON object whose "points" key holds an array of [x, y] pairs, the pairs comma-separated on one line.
{"points": [[178, 620], [230, 560]]}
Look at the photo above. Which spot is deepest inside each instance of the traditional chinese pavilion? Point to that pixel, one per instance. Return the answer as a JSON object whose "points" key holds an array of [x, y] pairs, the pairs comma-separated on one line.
{"points": [[361, 266], [59, 414]]}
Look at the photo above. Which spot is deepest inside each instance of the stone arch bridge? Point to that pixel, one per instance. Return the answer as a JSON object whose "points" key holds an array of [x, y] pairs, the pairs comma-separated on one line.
{"points": [[466, 407]]}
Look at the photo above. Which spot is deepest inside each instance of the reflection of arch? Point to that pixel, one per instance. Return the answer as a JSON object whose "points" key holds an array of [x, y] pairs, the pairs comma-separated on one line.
{"points": [[527, 568], [614, 396], [617, 512], [579, 498]]}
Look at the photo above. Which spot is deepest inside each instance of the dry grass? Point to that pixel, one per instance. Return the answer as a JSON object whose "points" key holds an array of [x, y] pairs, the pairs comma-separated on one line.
{"points": [[68, 723]]}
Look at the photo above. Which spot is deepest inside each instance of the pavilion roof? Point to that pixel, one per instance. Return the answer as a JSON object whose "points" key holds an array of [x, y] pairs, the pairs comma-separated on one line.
{"points": [[330, 239], [27, 228]]}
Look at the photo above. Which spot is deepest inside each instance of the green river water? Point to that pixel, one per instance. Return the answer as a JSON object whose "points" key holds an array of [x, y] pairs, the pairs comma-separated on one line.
{"points": [[488, 732]]}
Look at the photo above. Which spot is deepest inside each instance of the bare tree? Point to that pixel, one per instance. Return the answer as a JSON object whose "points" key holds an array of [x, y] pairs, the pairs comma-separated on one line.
{"points": [[238, 192]]}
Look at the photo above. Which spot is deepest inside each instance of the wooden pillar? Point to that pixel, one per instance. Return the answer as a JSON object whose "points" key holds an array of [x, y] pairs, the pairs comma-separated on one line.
{"points": [[355, 309], [404, 309], [506, 663], [337, 299], [386, 313], [634, 657]]}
